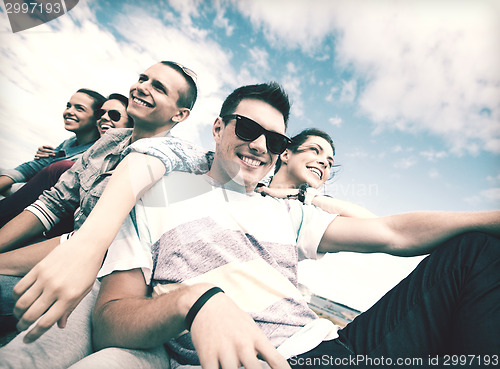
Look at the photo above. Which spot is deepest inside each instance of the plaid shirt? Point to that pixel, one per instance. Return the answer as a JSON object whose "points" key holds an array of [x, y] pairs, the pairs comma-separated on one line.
{"points": [[81, 186]]}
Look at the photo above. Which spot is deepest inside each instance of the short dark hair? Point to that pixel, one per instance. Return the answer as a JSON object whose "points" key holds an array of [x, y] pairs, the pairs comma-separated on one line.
{"points": [[300, 138], [96, 96], [121, 98], [124, 100], [271, 93], [186, 98]]}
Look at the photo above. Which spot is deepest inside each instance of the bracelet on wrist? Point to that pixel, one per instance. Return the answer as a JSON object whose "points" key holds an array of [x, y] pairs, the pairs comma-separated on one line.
{"points": [[199, 304]]}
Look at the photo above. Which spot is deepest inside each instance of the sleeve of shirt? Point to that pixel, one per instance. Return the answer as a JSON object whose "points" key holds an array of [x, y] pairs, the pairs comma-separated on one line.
{"points": [[62, 199], [127, 252], [28, 170], [176, 154], [310, 223], [131, 248]]}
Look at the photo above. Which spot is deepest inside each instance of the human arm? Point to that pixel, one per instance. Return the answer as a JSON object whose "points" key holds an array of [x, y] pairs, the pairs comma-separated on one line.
{"points": [[131, 178], [5, 183], [221, 332], [19, 231], [19, 262], [327, 203], [56, 285], [409, 234], [341, 207], [45, 151]]}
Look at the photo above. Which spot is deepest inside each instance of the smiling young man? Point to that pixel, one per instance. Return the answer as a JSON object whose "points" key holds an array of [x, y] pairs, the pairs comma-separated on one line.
{"points": [[162, 97], [215, 235]]}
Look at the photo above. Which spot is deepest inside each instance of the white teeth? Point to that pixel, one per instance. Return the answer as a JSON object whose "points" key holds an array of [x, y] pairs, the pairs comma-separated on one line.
{"points": [[73, 119], [316, 171], [141, 102], [252, 162], [105, 126]]}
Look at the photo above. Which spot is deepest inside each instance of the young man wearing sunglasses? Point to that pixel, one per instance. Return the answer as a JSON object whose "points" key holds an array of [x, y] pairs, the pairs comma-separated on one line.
{"points": [[154, 112], [222, 261]]}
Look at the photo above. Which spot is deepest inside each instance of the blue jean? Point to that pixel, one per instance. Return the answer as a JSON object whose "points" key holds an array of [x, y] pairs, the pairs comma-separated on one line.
{"points": [[7, 320], [450, 304]]}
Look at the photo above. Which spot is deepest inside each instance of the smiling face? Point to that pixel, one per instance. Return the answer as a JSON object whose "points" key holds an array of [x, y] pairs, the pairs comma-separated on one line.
{"points": [[79, 114], [105, 122], [311, 163], [245, 162], [153, 99]]}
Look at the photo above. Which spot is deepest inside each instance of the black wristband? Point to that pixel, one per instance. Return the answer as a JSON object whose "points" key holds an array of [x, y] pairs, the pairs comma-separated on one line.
{"points": [[199, 304]]}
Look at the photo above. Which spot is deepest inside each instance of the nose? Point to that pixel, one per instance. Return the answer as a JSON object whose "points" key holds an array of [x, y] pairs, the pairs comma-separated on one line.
{"points": [[322, 162], [69, 110], [259, 144], [143, 87], [105, 117]]}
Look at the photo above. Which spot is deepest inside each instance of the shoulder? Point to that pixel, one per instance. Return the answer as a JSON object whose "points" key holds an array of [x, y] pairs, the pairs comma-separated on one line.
{"points": [[117, 133]]}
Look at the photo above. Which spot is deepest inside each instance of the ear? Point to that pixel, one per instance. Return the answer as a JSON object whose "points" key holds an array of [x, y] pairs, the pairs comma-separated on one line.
{"points": [[182, 114], [285, 156], [217, 129]]}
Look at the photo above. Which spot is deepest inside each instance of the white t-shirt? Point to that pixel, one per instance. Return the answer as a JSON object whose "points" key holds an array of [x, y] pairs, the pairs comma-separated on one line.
{"points": [[187, 230]]}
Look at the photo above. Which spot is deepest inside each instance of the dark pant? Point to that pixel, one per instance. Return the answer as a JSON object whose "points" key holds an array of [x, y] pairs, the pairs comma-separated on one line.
{"points": [[449, 305], [7, 320], [14, 204]]}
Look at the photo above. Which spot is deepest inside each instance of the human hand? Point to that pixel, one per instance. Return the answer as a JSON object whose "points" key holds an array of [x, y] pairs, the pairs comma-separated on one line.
{"points": [[227, 337], [45, 151], [281, 193], [53, 288]]}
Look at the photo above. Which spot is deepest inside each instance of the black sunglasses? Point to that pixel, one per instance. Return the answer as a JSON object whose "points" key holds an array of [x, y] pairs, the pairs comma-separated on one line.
{"points": [[249, 130], [114, 115]]}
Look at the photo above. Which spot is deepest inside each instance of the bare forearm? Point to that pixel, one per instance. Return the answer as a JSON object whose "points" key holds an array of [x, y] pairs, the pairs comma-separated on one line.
{"points": [[19, 262], [19, 231], [344, 208], [140, 322], [422, 232], [408, 234], [5, 183]]}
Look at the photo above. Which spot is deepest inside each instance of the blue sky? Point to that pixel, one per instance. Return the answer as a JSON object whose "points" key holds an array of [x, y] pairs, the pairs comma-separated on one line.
{"points": [[409, 90]]}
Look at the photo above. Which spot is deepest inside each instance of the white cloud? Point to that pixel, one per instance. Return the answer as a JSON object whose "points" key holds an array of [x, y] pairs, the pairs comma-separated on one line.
{"points": [[292, 86], [356, 153], [43, 67], [290, 23], [335, 121], [348, 92], [429, 66], [259, 59], [494, 179], [432, 155], [331, 96], [490, 197], [421, 65], [433, 173], [405, 163]]}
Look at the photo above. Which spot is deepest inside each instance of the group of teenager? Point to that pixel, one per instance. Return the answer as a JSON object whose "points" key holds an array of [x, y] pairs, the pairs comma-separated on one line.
{"points": [[182, 257]]}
